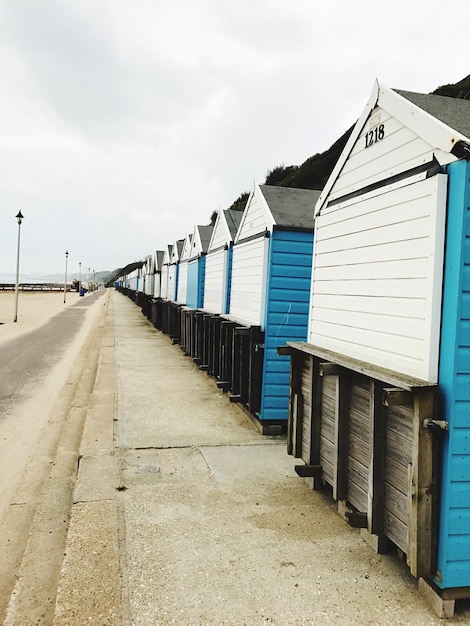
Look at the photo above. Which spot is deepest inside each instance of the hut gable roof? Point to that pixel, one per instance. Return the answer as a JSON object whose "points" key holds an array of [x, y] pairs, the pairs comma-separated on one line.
{"points": [[200, 240], [454, 112], [225, 228], [271, 205], [440, 123], [167, 254], [233, 219], [150, 264], [291, 207], [159, 254], [186, 251], [176, 250]]}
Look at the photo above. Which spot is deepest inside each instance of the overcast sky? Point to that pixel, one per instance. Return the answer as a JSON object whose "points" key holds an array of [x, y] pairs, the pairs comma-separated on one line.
{"points": [[122, 124]]}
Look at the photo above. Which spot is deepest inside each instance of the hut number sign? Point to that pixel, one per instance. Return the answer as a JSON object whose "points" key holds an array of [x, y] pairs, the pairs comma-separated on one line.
{"points": [[375, 135]]}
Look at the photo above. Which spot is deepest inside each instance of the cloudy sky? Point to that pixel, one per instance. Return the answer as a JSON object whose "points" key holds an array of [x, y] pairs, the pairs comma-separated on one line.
{"points": [[122, 124]]}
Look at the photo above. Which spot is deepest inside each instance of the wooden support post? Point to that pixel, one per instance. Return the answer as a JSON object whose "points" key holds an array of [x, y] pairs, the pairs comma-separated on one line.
{"points": [[255, 368], [422, 498], [295, 412], [343, 392], [376, 492]]}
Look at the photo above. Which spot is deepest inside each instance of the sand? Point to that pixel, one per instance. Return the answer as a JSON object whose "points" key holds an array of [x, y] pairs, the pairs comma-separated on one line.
{"points": [[34, 310]]}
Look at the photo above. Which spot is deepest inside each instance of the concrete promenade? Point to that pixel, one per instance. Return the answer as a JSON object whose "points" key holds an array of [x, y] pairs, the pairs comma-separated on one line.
{"points": [[165, 505]]}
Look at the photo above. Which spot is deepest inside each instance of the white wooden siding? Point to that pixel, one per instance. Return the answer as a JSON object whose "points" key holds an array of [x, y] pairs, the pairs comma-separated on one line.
{"points": [[149, 284], [215, 281], [182, 282], [401, 149], [249, 275], [164, 285], [377, 278], [171, 282], [157, 285]]}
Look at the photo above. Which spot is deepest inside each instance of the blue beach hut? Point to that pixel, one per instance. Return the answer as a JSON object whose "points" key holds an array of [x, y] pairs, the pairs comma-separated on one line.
{"points": [[270, 288]]}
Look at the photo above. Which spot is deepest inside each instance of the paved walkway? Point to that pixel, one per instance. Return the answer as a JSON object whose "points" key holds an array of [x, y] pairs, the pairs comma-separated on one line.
{"points": [[182, 513]]}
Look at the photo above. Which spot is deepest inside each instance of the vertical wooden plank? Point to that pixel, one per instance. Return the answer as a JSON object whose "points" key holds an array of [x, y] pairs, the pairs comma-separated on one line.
{"points": [[340, 486], [422, 497], [236, 359], [255, 368], [292, 426], [376, 491], [315, 420]]}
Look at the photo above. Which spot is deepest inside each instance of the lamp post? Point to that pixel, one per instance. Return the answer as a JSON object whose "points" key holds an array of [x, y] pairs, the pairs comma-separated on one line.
{"points": [[19, 219], [65, 279], [79, 277]]}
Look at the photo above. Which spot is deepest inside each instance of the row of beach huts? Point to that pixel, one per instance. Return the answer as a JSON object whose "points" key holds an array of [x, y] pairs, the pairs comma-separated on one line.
{"points": [[341, 317]]}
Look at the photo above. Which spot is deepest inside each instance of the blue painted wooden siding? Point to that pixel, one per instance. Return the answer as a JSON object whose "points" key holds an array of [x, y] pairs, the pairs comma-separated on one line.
{"points": [[228, 283], [192, 285], [195, 284], [201, 281], [287, 308], [454, 386]]}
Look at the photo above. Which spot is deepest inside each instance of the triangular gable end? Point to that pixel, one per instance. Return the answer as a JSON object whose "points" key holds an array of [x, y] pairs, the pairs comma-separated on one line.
{"points": [[186, 251], [200, 241], [167, 254], [257, 217], [221, 234], [196, 244], [225, 229], [176, 251], [392, 136]]}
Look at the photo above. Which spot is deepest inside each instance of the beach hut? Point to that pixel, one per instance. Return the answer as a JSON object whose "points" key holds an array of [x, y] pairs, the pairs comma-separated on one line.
{"points": [[191, 316], [173, 270], [157, 286], [270, 287], [388, 337], [183, 270], [219, 261], [197, 265], [148, 275], [166, 261]]}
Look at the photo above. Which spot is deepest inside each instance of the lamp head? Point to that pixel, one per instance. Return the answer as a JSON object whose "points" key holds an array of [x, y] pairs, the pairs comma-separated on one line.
{"points": [[19, 217]]}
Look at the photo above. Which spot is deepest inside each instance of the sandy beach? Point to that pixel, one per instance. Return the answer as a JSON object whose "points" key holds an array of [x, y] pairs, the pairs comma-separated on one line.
{"points": [[34, 309]]}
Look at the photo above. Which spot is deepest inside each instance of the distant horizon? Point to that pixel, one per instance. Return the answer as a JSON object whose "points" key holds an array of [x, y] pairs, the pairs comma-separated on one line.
{"points": [[58, 277]]}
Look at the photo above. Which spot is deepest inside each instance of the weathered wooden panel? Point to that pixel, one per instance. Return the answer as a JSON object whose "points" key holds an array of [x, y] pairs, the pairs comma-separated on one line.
{"points": [[328, 454], [358, 442], [306, 390], [398, 458]]}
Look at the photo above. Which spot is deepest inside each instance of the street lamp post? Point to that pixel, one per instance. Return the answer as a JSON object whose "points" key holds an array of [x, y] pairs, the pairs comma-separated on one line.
{"points": [[65, 279], [19, 219], [79, 277]]}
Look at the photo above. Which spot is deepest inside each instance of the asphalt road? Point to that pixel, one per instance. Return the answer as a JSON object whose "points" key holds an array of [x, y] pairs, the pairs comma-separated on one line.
{"points": [[26, 360]]}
